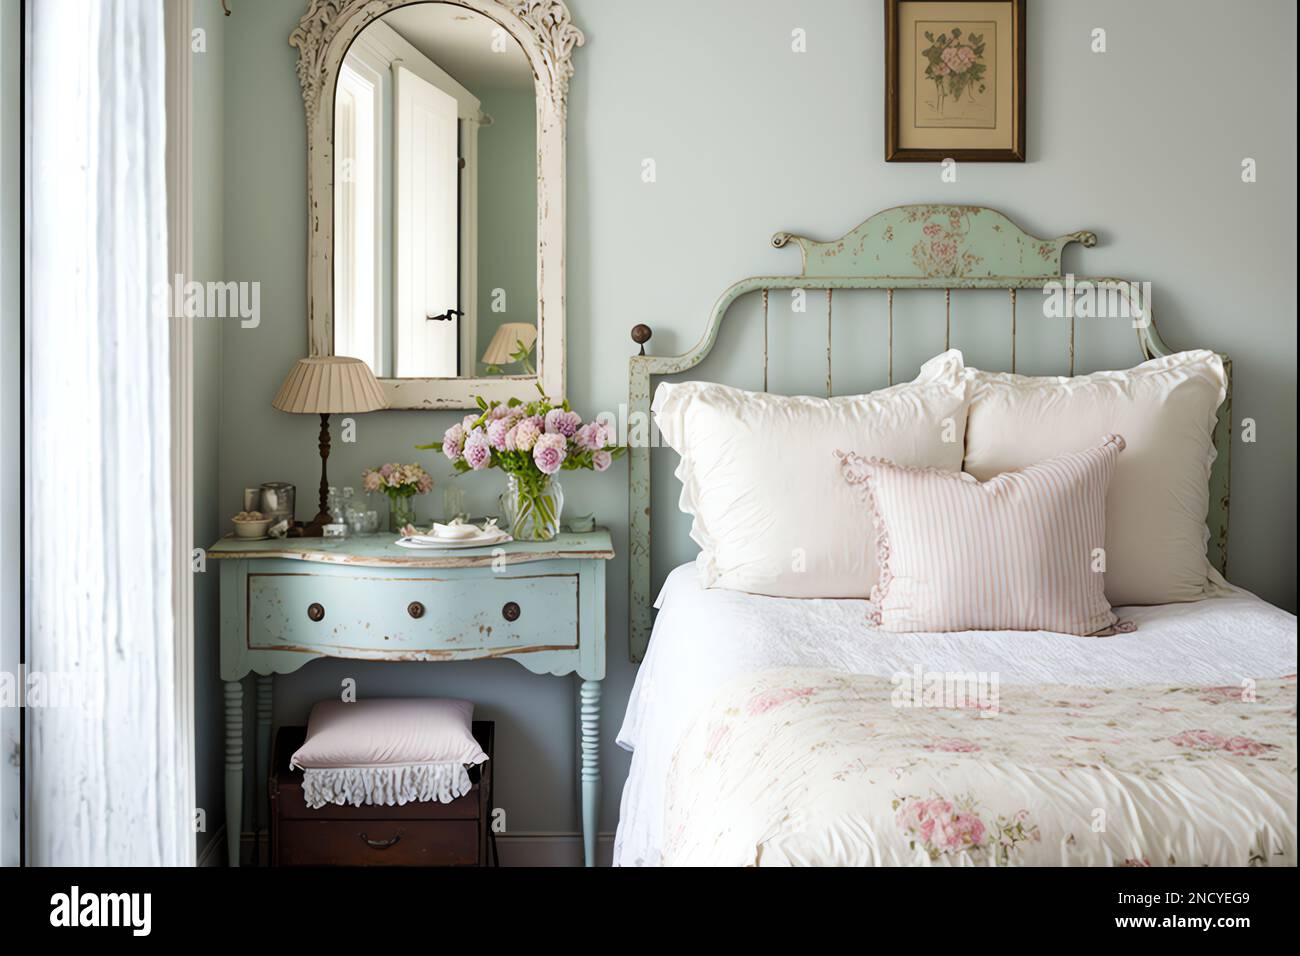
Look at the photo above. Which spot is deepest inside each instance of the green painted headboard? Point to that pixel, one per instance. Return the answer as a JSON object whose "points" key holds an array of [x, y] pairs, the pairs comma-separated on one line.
{"points": [[937, 247]]}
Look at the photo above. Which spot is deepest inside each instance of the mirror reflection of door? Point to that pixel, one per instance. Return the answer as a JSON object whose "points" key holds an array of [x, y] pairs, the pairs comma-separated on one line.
{"points": [[436, 197]]}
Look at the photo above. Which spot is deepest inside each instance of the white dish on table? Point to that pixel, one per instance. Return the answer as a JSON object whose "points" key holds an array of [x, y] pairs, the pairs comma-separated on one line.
{"points": [[425, 542]]}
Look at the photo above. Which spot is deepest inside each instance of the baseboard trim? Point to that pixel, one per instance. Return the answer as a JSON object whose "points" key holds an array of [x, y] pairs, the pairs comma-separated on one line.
{"points": [[538, 848], [551, 849]]}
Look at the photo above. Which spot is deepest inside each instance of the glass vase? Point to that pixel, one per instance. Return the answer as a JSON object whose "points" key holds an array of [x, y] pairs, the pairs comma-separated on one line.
{"points": [[532, 508], [401, 512]]}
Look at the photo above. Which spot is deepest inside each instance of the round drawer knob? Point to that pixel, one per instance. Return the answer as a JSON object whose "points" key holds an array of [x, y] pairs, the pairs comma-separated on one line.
{"points": [[510, 611], [316, 612], [415, 609]]}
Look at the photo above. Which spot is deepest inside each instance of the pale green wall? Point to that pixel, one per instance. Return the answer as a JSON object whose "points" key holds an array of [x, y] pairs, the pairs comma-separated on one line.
{"points": [[1142, 144], [208, 72]]}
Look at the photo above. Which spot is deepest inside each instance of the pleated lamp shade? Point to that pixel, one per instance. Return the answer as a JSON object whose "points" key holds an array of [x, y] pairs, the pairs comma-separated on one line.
{"points": [[505, 343], [329, 384]]}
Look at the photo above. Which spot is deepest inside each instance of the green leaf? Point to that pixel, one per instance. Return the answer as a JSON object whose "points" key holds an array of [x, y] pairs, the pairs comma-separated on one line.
{"points": [[481, 403], [956, 32]]}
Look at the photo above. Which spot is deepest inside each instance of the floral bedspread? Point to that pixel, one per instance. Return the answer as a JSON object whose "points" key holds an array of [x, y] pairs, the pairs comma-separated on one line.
{"points": [[813, 767]]}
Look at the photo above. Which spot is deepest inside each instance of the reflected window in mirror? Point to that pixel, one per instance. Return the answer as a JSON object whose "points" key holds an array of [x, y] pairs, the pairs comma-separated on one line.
{"points": [[435, 189]]}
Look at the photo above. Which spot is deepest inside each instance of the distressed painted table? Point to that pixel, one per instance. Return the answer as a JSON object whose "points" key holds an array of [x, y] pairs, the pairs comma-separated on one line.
{"points": [[287, 602]]}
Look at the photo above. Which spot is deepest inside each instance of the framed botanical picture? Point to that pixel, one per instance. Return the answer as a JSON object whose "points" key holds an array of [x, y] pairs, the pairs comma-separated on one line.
{"points": [[955, 81]]}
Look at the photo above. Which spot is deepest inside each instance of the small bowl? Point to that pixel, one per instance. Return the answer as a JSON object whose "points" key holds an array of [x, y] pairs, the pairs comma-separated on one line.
{"points": [[251, 527]]}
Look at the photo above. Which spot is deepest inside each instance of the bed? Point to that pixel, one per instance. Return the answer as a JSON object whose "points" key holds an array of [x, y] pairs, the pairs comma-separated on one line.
{"points": [[777, 730], [707, 640]]}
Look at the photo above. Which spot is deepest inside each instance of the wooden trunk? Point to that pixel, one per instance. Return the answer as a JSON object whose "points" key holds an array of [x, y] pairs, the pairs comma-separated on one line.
{"points": [[414, 834]]}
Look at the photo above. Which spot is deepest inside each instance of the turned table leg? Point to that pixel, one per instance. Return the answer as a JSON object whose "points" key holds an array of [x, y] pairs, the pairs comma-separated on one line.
{"points": [[234, 769], [590, 776], [265, 687]]}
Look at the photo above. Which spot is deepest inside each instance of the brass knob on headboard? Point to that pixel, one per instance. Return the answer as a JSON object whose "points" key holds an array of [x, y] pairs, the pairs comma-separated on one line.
{"points": [[641, 335], [316, 611]]}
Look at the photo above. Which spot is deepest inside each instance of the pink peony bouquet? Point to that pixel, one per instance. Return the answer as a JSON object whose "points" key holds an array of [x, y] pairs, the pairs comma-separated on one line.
{"points": [[531, 441]]}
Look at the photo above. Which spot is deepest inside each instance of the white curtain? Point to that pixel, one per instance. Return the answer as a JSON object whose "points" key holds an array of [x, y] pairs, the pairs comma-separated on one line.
{"points": [[105, 783]]}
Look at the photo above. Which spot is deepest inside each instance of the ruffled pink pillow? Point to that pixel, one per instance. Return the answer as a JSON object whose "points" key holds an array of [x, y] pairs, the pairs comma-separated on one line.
{"points": [[1023, 551]]}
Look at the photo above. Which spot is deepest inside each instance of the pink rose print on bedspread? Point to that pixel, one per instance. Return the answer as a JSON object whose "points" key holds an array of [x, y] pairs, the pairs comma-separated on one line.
{"points": [[775, 698], [943, 827], [953, 745], [940, 826], [1205, 741]]}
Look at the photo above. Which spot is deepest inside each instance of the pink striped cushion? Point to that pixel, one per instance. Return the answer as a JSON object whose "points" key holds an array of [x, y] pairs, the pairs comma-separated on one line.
{"points": [[1017, 552]]}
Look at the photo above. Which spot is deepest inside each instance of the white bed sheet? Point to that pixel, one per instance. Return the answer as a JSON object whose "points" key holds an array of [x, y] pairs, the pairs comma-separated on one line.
{"points": [[704, 638]]}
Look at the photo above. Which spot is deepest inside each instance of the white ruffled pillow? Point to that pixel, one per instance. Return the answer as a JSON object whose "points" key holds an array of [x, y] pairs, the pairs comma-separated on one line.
{"points": [[387, 752], [760, 479], [1018, 552], [1155, 513]]}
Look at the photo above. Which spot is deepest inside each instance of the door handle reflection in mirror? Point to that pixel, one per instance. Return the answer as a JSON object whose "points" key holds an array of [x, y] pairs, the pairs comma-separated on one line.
{"points": [[445, 317]]}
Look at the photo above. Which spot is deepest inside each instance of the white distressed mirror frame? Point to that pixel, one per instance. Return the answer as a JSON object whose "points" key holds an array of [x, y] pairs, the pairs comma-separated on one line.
{"points": [[545, 31]]}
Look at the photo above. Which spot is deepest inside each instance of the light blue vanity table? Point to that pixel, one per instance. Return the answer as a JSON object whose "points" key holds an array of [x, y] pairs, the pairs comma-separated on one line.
{"points": [[286, 602]]}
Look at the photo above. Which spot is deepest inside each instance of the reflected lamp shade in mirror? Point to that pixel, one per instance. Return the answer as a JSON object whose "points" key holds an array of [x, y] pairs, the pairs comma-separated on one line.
{"points": [[323, 386], [504, 347]]}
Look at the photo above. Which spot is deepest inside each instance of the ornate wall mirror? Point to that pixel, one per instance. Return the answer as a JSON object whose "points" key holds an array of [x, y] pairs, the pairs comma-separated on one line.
{"points": [[435, 139]]}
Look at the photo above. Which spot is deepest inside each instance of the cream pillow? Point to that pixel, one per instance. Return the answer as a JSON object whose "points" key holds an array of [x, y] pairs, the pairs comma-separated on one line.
{"points": [[1155, 512], [761, 481], [1014, 553]]}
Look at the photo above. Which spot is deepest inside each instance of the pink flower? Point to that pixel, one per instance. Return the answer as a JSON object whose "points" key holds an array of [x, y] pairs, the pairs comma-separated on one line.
{"points": [[370, 480], [590, 437], [549, 452], [1205, 740], [940, 69], [453, 442], [954, 745], [560, 422], [943, 250], [932, 229], [959, 59], [387, 469], [478, 453], [941, 826], [1219, 695], [601, 460], [526, 434], [774, 698], [498, 412], [467, 422], [496, 433]]}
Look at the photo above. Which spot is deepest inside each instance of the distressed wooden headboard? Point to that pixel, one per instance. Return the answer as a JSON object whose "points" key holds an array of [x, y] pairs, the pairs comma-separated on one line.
{"points": [[937, 247]]}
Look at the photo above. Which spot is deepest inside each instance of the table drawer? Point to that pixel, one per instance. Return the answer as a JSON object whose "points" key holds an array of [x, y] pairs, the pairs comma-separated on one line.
{"points": [[377, 843], [411, 617]]}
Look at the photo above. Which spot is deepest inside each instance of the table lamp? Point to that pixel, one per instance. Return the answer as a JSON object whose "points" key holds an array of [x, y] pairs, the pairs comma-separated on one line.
{"points": [[511, 342], [323, 386]]}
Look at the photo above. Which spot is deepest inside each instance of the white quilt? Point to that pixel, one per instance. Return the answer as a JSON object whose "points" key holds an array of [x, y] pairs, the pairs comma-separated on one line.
{"points": [[705, 640]]}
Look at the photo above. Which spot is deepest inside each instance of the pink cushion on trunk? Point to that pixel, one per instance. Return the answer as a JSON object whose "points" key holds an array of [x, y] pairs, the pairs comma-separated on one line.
{"points": [[378, 733]]}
